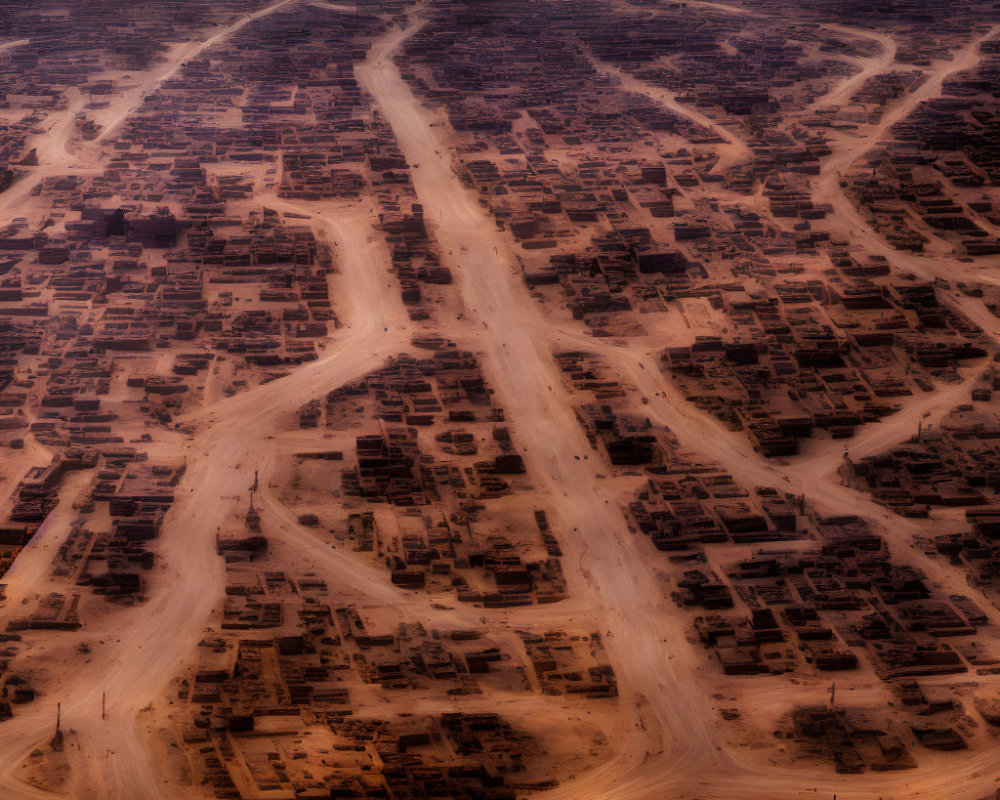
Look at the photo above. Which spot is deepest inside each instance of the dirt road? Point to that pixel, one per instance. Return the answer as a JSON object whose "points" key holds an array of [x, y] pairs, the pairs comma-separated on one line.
{"points": [[871, 67], [646, 642], [654, 663], [669, 743], [179, 57], [732, 150]]}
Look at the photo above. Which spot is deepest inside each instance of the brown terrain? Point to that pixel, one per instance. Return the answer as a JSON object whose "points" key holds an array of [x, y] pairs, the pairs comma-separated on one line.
{"points": [[499, 399]]}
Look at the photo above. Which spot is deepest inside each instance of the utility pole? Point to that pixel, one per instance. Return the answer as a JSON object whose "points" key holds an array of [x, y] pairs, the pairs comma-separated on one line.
{"points": [[104, 698], [57, 740]]}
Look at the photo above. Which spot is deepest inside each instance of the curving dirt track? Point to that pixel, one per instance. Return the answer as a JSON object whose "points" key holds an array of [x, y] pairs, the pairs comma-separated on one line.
{"points": [[732, 150], [669, 743], [652, 660]]}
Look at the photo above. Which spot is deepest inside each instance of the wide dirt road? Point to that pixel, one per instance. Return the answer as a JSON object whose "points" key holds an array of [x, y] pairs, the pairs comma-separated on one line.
{"points": [[652, 660], [675, 747]]}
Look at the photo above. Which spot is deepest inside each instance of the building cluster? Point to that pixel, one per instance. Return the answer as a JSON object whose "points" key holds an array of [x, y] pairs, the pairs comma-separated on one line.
{"points": [[440, 455], [823, 355], [659, 176], [157, 270], [808, 594], [273, 703], [815, 337], [953, 465], [111, 529], [930, 183]]}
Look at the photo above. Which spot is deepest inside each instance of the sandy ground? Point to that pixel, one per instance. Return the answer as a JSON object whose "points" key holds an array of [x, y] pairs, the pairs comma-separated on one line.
{"points": [[869, 67], [650, 657], [732, 151], [667, 742]]}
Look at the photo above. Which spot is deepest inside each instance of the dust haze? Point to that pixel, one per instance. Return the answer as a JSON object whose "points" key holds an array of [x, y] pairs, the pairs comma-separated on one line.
{"points": [[499, 399]]}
